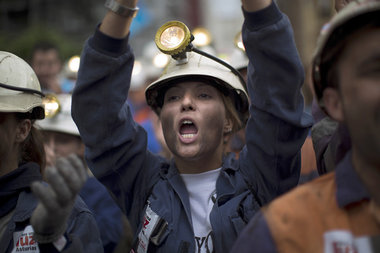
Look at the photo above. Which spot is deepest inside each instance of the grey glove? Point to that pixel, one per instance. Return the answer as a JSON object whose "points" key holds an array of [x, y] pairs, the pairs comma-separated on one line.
{"points": [[57, 199]]}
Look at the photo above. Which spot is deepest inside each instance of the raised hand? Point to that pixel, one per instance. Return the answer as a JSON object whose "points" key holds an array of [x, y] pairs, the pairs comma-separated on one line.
{"points": [[115, 25], [56, 199]]}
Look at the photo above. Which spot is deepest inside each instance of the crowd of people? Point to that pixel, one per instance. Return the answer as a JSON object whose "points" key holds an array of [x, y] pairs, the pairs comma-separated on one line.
{"points": [[203, 158]]}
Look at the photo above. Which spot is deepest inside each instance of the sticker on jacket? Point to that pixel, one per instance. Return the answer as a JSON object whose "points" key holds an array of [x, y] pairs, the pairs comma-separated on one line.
{"points": [[153, 229], [342, 241], [23, 241]]}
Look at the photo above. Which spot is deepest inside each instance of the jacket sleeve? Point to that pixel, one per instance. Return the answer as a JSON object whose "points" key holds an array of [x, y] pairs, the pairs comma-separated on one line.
{"points": [[116, 146], [278, 126]]}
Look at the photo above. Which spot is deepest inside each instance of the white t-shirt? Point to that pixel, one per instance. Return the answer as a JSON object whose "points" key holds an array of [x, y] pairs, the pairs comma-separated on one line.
{"points": [[201, 188]]}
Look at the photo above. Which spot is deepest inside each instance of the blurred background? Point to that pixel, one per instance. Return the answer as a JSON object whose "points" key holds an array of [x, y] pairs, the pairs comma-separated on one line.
{"points": [[68, 23]]}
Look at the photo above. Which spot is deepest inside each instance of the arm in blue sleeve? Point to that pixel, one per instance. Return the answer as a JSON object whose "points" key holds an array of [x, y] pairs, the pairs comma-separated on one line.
{"points": [[278, 125], [116, 146]]}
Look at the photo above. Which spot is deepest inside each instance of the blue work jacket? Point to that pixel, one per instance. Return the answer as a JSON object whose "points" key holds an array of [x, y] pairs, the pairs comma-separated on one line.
{"points": [[81, 234], [149, 188]]}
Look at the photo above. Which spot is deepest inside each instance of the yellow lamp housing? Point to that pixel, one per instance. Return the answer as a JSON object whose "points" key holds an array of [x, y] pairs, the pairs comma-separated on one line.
{"points": [[52, 105], [174, 38]]}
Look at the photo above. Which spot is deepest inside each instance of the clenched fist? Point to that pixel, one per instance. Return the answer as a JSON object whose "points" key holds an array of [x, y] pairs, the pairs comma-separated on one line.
{"points": [[56, 199]]}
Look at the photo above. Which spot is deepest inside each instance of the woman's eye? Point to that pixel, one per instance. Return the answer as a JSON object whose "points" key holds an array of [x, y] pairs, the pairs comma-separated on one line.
{"points": [[373, 71], [172, 98], [204, 95], [370, 70]]}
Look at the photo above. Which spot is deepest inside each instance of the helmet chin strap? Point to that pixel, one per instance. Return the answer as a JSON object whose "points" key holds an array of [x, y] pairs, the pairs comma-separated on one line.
{"points": [[26, 90]]}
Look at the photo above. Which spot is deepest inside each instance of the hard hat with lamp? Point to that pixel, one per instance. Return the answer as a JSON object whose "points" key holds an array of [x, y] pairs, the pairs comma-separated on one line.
{"points": [[20, 90], [58, 115], [174, 38]]}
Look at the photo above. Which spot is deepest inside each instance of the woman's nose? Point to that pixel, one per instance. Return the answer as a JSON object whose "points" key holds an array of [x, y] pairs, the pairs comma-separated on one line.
{"points": [[188, 102]]}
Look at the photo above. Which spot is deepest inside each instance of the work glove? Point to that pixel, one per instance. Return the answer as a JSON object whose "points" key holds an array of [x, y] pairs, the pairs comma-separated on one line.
{"points": [[57, 198]]}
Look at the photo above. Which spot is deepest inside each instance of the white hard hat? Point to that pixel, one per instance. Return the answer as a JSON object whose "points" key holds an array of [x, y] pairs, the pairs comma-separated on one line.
{"points": [[20, 90], [350, 19], [199, 66], [138, 78], [238, 59], [62, 121]]}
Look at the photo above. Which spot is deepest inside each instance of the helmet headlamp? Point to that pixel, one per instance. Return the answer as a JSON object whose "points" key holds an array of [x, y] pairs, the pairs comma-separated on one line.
{"points": [[174, 38], [52, 105]]}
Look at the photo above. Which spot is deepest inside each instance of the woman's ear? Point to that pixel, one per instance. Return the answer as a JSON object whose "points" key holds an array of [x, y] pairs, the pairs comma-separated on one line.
{"points": [[333, 104], [23, 129]]}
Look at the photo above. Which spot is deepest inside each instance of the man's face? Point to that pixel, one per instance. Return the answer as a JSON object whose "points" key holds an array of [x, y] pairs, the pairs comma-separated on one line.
{"points": [[46, 65], [61, 145], [359, 80], [193, 120]]}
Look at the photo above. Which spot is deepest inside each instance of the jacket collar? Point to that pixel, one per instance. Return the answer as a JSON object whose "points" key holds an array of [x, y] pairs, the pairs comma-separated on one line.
{"points": [[350, 188], [225, 184]]}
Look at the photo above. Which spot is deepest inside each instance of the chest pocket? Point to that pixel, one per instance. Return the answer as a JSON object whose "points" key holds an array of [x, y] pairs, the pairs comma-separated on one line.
{"points": [[154, 231]]}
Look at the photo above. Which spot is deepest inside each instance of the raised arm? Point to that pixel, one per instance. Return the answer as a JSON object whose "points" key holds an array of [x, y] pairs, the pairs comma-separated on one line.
{"points": [[278, 126], [116, 146], [115, 25]]}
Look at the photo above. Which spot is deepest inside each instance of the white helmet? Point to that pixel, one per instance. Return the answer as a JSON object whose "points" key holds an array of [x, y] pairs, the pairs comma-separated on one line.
{"points": [[199, 66], [62, 121], [238, 59], [20, 90]]}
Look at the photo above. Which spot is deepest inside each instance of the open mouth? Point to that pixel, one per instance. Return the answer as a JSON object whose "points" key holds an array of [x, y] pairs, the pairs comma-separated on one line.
{"points": [[188, 129]]}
